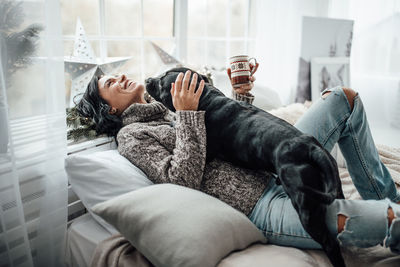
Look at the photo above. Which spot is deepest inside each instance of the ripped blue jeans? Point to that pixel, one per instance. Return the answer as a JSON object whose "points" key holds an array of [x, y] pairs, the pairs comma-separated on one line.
{"points": [[330, 120]]}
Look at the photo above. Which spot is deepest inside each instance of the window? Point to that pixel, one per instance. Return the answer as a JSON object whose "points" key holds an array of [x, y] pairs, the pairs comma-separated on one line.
{"points": [[121, 28], [217, 30], [199, 32]]}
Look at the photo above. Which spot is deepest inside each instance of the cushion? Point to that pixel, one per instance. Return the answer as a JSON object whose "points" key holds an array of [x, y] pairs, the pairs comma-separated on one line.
{"points": [[174, 225], [101, 176]]}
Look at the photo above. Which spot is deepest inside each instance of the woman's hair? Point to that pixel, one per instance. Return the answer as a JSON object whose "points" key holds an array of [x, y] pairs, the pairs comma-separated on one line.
{"points": [[93, 106]]}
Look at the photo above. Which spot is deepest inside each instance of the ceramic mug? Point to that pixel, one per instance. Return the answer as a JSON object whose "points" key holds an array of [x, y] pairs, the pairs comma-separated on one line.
{"points": [[241, 70]]}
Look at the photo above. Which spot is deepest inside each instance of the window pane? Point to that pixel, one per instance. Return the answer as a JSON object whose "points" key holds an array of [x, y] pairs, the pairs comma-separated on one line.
{"points": [[216, 18], [197, 16], [122, 17], [238, 17], [251, 48], [153, 64], [216, 56], [68, 51], [196, 53], [252, 19], [127, 49], [26, 100], [237, 48], [158, 17], [86, 10], [26, 82], [69, 48]]}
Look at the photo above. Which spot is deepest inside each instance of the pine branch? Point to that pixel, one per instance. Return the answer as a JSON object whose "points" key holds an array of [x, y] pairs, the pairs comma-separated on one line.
{"points": [[11, 15], [80, 127], [20, 46], [16, 47]]}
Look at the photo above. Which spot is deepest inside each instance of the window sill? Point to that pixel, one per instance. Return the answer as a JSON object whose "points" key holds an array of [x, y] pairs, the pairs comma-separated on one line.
{"points": [[84, 146]]}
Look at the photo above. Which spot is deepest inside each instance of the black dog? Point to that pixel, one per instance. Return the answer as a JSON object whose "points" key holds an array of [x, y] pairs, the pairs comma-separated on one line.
{"points": [[250, 137]]}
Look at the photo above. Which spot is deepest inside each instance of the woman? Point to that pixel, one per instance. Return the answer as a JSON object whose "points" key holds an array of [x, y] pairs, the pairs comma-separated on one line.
{"points": [[171, 148]]}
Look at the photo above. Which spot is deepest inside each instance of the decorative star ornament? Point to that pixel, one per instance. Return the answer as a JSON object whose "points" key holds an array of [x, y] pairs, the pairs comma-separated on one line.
{"points": [[166, 58], [83, 64]]}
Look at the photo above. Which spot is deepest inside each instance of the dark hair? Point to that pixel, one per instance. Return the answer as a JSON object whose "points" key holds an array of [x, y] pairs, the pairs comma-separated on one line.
{"points": [[93, 106]]}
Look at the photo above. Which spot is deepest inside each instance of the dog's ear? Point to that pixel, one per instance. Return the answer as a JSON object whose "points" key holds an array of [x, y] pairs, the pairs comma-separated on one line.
{"points": [[205, 78], [306, 179]]}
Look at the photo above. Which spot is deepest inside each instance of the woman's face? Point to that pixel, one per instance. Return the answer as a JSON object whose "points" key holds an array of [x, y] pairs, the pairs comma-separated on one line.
{"points": [[120, 92]]}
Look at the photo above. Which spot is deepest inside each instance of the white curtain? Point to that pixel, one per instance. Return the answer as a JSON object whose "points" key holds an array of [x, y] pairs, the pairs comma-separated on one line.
{"points": [[375, 58], [375, 51], [33, 184], [374, 61], [278, 40]]}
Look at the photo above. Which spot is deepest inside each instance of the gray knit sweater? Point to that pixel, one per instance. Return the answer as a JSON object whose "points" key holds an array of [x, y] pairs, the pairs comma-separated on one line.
{"points": [[171, 148]]}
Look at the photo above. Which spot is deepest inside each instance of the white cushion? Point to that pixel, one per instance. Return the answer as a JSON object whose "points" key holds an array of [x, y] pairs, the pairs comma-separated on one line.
{"points": [[101, 176], [172, 225]]}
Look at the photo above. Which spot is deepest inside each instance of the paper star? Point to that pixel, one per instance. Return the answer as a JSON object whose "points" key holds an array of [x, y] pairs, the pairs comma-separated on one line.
{"points": [[83, 64], [166, 58]]}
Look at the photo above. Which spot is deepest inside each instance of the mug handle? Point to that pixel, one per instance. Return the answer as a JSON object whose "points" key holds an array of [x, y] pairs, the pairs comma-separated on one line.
{"points": [[255, 66]]}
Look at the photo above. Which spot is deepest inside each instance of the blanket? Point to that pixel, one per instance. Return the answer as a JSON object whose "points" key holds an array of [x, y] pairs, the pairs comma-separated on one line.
{"points": [[117, 251]]}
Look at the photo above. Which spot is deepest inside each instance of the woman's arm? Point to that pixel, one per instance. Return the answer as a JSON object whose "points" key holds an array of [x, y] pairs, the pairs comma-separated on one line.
{"points": [[246, 97], [243, 92], [182, 165]]}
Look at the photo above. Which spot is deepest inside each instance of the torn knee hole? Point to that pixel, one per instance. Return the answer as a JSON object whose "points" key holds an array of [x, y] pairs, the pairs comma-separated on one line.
{"points": [[350, 94], [325, 95], [391, 216], [341, 222]]}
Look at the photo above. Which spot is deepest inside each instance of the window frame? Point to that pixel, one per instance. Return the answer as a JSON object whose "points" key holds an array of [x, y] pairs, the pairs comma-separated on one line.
{"points": [[179, 34]]}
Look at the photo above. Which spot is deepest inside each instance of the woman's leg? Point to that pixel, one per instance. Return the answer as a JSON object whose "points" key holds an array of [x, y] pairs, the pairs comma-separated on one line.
{"points": [[329, 120], [367, 221], [333, 119], [276, 217]]}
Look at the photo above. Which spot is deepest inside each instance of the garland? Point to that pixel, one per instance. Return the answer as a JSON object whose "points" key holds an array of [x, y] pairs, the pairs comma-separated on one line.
{"points": [[79, 127]]}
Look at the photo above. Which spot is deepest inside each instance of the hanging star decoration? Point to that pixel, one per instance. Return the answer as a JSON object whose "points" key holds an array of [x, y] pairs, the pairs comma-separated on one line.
{"points": [[83, 64], [170, 62], [166, 58]]}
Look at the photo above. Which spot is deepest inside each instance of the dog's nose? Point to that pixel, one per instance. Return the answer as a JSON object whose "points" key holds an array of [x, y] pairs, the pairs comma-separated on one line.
{"points": [[151, 83], [153, 87]]}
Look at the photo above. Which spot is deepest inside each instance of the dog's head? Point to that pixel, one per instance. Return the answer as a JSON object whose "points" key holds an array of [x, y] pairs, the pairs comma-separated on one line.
{"points": [[159, 87]]}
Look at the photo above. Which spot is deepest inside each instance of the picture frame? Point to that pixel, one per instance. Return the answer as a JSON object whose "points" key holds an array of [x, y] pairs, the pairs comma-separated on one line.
{"points": [[321, 37], [328, 72]]}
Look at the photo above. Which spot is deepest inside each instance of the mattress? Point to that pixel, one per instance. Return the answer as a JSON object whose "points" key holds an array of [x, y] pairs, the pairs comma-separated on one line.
{"points": [[83, 235]]}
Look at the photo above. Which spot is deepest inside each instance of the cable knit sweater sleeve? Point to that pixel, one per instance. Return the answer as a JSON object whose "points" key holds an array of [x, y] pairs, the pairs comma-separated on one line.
{"points": [[248, 98], [163, 161]]}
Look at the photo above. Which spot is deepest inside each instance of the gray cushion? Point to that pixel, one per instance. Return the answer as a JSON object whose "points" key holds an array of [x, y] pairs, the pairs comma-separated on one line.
{"points": [[176, 226]]}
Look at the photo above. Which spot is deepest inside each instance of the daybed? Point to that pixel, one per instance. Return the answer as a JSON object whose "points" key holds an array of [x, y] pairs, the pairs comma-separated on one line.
{"points": [[221, 236]]}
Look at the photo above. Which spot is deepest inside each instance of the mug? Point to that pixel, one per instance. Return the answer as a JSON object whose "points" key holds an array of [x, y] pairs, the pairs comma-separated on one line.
{"points": [[240, 70]]}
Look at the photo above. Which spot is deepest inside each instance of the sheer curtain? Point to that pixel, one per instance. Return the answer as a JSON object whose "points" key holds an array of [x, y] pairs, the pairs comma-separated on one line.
{"points": [[375, 55], [375, 59], [278, 39], [33, 184]]}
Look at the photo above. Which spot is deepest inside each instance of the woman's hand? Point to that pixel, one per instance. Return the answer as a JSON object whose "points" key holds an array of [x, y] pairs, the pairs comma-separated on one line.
{"points": [[184, 97], [245, 88]]}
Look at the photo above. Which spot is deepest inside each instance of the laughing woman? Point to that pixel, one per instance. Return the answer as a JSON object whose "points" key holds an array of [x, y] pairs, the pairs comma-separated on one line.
{"points": [[171, 148]]}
